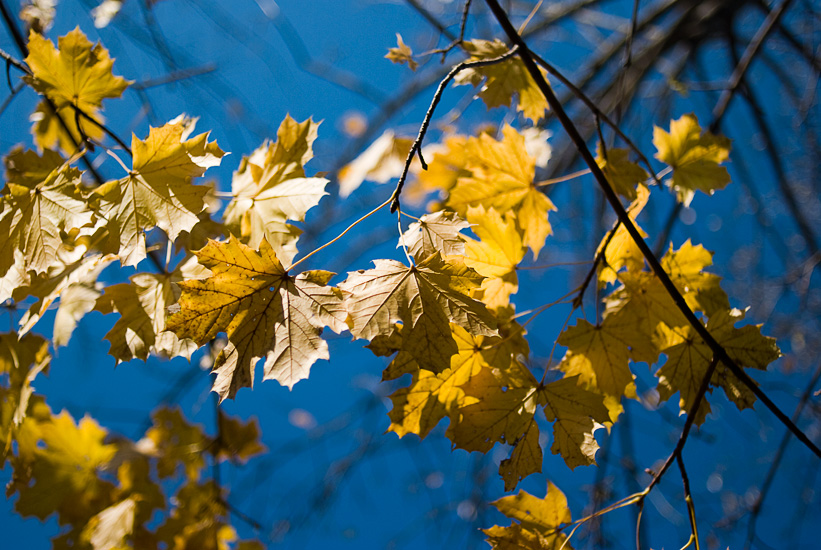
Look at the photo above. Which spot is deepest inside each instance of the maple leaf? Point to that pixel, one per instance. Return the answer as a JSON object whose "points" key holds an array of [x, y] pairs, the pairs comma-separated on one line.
{"points": [[694, 157], [419, 408], [496, 255], [109, 528], [622, 251], [238, 441], [63, 459], [142, 305], [501, 177], [175, 443], [437, 232], [624, 176], [34, 214], [22, 358], [525, 458], [498, 412], [702, 291], [270, 187], [71, 279], [502, 80], [78, 73], [576, 412], [424, 297], [401, 54], [59, 128], [538, 520], [265, 312], [446, 164], [382, 161], [688, 359], [158, 190], [599, 355]]}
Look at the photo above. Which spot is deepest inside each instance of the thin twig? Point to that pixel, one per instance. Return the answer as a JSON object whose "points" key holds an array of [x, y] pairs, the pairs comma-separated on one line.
{"points": [[416, 148]]}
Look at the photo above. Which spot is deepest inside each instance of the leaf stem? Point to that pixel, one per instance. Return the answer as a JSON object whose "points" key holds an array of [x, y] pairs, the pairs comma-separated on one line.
{"points": [[332, 241]]}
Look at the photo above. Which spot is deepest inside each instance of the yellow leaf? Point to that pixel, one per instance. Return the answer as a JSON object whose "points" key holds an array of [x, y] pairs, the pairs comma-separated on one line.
{"points": [[382, 161], [270, 187], [501, 177], [158, 190], [688, 359], [424, 298], [446, 164], [176, 443], [622, 251], [35, 214], [419, 408], [525, 458], [65, 469], [499, 413], [694, 157], [503, 80], [109, 528], [79, 73], [402, 54], [702, 291], [622, 174], [238, 440], [437, 232], [50, 130], [537, 520], [265, 312], [576, 412], [142, 305], [496, 255], [22, 358]]}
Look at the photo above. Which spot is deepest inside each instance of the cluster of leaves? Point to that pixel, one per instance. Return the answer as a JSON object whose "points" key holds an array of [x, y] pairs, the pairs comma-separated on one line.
{"points": [[445, 317]]}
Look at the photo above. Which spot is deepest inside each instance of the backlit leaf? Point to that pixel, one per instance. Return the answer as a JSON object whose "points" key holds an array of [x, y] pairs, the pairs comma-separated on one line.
{"points": [[501, 81], [694, 157], [265, 312]]}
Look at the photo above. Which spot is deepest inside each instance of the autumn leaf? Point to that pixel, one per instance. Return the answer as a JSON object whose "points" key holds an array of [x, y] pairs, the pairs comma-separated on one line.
{"points": [[501, 81], [424, 298], [271, 187], [59, 128], [402, 54], [158, 190], [142, 305], [577, 414], [702, 291], [35, 213], [526, 458], [624, 176], [496, 255], [599, 355], [22, 358], [622, 251], [537, 521], [501, 177], [176, 443], [694, 157], [72, 282], [446, 164], [382, 161], [437, 232], [76, 73], [63, 461], [688, 359], [109, 528], [265, 312], [432, 397]]}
